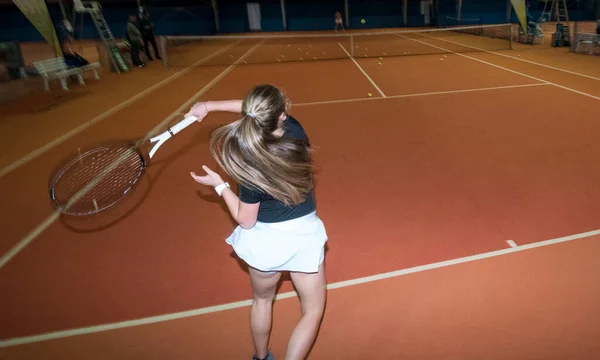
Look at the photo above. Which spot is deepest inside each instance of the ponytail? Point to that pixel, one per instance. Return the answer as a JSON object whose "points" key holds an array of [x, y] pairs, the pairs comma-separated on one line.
{"points": [[249, 152]]}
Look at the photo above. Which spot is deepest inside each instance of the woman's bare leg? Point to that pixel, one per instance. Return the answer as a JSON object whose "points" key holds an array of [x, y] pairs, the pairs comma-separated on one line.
{"points": [[311, 288], [264, 286]]}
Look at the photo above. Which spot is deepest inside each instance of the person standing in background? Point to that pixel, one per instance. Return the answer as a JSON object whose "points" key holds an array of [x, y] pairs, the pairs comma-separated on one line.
{"points": [[67, 30], [147, 30], [134, 36], [338, 21]]}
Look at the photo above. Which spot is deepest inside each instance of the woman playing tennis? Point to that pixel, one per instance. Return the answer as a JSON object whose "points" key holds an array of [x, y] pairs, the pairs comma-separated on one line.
{"points": [[267, 152]]}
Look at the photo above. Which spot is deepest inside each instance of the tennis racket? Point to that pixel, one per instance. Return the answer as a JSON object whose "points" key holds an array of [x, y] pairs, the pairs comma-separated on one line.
{"points": [[99, 178]]}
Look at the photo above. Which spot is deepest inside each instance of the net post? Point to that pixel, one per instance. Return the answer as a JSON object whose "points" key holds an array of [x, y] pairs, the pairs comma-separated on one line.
{"points": [[352, 45], [574, 35], [511, 35], [163, 50]]}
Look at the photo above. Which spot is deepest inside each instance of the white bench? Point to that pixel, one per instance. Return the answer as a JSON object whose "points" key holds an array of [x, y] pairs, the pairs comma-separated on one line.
{"points": [[57, 69], [593, 40], [533, 35]]}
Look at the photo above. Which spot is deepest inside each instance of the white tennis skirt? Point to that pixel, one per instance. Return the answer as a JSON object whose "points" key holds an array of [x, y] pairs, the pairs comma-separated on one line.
{"points": [[293, 245]]}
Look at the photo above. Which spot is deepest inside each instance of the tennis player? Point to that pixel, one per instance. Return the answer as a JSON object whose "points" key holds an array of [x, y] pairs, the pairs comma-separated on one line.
{"points": [[268, 153]]}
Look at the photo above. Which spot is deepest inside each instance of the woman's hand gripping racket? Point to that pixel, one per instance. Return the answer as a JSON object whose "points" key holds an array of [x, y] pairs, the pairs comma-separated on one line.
{"points": [[99, 178]]}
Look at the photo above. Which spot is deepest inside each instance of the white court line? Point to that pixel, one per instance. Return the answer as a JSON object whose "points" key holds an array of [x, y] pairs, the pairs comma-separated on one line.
{"points": [[420, 94], [55, 215], [246, 303], [34, 154], [361, 69], [29, 238], [188, 104], [511, 243], [501, 67], [516, 58]]}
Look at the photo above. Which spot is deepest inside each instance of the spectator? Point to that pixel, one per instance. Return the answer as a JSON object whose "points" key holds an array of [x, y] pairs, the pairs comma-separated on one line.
{"points": [[67, 31], [134, 36], [147, 30], [338, 21]]}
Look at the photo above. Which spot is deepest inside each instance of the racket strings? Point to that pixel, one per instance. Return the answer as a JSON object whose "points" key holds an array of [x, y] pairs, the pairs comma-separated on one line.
{"points": [[97, 179], [122, 177]]}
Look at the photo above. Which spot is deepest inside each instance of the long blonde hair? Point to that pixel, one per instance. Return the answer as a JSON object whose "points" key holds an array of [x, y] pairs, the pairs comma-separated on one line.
{"points": [[254, 157]]}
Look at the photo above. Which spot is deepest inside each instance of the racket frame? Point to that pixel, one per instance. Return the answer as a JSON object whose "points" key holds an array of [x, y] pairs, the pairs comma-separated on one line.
{"points": [[159, 140]]}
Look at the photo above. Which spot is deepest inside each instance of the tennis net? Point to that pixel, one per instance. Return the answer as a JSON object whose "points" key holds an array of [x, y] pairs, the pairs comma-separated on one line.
{"points": [[449, 20], [186, 51]]}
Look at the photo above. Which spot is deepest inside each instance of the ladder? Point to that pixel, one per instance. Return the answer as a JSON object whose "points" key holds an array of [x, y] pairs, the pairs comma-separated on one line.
{"points": [[547, 12], [94, 9], [562, 16], [558, 10]]}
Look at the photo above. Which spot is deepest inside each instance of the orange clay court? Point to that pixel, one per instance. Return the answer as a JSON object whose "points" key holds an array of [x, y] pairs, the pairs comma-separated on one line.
{"points": [[459, 189]]}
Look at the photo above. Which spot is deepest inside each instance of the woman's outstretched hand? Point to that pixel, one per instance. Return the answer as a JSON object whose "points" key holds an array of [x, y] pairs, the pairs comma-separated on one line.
{"points": [[211, 178], [199, 110]]}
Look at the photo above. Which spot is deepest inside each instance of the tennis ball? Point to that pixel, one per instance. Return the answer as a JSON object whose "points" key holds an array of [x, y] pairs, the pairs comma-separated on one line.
{"points": [[362, 21], [370, 94]]}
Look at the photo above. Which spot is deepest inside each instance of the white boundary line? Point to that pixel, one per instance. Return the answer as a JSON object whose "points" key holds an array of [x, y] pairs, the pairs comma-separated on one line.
{"points": [[246, 303], [501, 67], [516, 58], [34, 154], [419, 94], [185, 106], [55, 214], [361, 69], [29, 238], [511, 243]]}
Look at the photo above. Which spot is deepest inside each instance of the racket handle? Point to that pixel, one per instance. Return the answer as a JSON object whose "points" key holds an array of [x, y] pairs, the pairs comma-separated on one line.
{"points": [[183, 124]]}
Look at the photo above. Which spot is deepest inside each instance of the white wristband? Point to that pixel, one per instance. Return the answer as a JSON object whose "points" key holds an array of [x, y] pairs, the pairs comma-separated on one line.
{"points": [[219, 189]]}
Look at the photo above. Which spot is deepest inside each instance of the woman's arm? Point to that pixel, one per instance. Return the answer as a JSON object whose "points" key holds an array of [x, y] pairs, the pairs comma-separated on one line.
{"points": [[244, 214], [201, 109], [234, 106]]}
